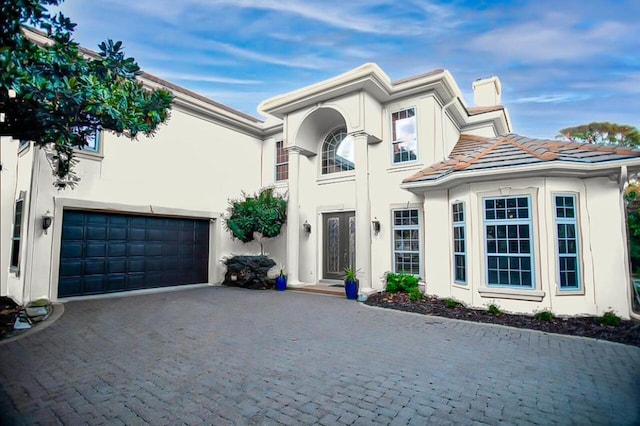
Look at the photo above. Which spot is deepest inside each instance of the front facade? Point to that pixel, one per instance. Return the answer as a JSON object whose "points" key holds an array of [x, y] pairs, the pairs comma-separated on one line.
{"points": [[382, 176]]}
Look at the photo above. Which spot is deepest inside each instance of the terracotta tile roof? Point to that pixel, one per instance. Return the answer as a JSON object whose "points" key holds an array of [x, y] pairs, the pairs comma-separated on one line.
{"points": [[480, 110], [480, 153]]}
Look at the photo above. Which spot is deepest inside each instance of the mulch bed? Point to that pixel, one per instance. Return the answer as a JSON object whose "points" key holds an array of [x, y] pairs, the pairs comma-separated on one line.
{"points": [[628, 332]]}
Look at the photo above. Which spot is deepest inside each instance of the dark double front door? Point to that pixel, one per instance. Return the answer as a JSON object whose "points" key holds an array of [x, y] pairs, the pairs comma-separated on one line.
{"points": [[339, 251]]}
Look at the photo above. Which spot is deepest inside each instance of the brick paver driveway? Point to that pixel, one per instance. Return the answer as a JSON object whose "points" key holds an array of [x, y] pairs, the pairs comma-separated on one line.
{"points": [[229, 356]]}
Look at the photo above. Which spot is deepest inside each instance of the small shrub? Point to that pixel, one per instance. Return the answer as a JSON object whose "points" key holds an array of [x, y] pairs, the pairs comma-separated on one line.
{"points": [[493, 309], [544, 316], [610, 319], [451, 303], [401, 283], [415, 295]]}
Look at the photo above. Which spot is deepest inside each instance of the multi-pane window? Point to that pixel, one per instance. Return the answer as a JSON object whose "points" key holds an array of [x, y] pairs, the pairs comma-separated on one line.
{"points": [[337, 152], [404, 144], [567, 234], [406, 241], [93, 143], [16, 235], [282, 162], [459, 244], [509, 247]]}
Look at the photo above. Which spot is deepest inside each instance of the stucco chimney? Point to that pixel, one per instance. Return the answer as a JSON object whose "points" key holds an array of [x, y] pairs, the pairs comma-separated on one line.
{"points": [[487, 91]]}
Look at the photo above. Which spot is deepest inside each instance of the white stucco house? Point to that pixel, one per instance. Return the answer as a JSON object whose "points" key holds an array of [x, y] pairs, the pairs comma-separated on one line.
{"points": [[382, 175]]}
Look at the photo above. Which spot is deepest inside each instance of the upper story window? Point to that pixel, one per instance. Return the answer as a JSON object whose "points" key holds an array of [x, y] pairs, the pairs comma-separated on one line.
{"points": [[403, 128], [282, 162], [337, 152], [93, 143]]}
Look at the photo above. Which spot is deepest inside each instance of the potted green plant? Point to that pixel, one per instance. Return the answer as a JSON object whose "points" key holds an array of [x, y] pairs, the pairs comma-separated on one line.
{"points": [[350, 283], [281, 281]]}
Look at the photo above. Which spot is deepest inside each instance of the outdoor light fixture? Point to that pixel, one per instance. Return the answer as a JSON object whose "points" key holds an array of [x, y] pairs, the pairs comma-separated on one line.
{"points": [[307, 227], [375, 223], [47, 220]]}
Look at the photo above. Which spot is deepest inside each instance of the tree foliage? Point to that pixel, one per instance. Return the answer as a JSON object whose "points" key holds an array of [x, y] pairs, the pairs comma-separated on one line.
{"points": [[59, 95], [264, 213], [603, 133]]}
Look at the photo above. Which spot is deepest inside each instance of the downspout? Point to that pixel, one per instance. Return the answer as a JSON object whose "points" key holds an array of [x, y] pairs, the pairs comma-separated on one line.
{"points": [[622, 180], [31, 226], [444, 132]]}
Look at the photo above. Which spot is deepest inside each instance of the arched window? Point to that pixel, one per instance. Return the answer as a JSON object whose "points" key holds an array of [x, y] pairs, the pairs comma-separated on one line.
{"points": [[337, 152]]}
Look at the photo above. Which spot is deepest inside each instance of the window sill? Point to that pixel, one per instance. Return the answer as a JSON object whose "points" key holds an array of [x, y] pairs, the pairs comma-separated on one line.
{"points": [[511, 293], [460, 286], [339, 177], [88, 154], [399, 168], [576, 292]]}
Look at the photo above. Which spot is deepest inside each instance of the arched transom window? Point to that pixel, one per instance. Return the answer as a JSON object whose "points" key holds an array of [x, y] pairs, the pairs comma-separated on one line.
{"points": [[337, 152]]}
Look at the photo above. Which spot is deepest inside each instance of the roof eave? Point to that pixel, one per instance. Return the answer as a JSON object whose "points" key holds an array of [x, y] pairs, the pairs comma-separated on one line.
{"points": [[543, 169]]}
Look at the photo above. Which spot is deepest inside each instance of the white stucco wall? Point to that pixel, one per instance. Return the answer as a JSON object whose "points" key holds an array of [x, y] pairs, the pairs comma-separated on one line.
{"points": [[601, 244], [191, 167], [8, 175]]}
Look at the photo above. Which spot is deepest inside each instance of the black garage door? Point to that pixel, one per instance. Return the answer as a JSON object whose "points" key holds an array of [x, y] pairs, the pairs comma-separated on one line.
{"points": [[109, 252]]}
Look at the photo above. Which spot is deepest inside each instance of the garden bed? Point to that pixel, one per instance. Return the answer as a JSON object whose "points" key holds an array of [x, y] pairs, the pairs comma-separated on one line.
{"points": [[627, 332]]}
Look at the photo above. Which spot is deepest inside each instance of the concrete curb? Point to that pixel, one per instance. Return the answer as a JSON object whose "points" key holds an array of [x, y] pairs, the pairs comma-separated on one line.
{"points": [[57, 311], [507, 327]]}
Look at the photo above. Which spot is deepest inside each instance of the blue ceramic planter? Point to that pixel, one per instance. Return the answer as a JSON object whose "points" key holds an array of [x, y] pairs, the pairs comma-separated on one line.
{"points": [[281, 283], [351, 289]]}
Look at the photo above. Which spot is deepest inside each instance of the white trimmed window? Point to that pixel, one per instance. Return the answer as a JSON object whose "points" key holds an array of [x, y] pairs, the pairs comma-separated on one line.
{"points": [[337, 152], [282, 162], [93, 144], [459, 244], [509, 245], [567, 240], [406, 241], [16, 236], [404, 144]]}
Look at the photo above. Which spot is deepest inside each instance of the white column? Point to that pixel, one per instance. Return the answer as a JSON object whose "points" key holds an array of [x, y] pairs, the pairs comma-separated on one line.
{"points": [[293, 219], [363, 211]]}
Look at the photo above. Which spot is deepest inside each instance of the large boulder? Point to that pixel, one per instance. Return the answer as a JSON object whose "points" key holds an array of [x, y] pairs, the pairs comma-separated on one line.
{"points": [[248, 272]]}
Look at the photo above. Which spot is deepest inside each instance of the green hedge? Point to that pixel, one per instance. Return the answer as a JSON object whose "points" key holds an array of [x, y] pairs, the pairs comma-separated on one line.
{"points": [[401, 283]]}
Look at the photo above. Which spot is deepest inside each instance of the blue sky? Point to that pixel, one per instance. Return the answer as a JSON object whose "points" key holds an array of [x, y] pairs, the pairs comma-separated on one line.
{"points": [[561, 63]]}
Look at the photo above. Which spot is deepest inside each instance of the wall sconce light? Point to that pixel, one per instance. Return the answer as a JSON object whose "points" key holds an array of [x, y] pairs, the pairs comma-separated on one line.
{"points": [[307, 227], [47, 220], [375, 223]]}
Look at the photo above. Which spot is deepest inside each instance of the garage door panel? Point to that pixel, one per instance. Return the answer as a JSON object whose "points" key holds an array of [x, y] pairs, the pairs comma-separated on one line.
{"points": [[93, 284], [108, 252], [95, 249], [93, 267], [117, 233], [117, 249], [71, 250], [70, 268], [73, 232]]}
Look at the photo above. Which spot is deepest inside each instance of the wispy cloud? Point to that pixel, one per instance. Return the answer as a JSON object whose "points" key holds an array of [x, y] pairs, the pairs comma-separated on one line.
{"points": [[204, 78], [552, 98]]}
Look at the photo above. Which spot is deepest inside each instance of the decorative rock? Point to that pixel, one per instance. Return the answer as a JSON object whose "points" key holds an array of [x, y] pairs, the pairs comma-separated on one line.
{"points": [[22, 323], [250, 272], [37, 311]]}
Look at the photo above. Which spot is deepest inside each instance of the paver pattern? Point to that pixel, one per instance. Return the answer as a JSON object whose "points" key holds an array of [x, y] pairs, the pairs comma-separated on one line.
{"points": [[230, 356]]}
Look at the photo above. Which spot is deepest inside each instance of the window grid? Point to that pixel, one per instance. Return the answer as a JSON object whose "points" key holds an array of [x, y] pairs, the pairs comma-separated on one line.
{"points": [[459, 244], [567, 239], [332, 161], [403, 128], [282, 162], [508, 242], [406, 241]]}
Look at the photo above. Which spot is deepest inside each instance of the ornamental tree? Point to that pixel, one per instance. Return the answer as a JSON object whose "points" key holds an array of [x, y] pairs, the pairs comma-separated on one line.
{"points": [[59, 95], [603, 133], [260, 215]]}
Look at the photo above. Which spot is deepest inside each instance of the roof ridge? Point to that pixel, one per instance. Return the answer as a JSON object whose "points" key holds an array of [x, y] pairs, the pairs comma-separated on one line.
{"points": [[547, 155]]}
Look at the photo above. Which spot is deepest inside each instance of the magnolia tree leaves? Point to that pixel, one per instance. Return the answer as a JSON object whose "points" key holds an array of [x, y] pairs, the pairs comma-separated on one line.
{"points": [[60, 95]]}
